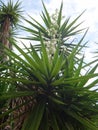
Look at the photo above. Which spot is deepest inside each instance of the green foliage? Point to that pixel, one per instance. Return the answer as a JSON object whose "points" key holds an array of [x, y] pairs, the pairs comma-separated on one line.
{"points": [[49, 88], [58, 88], [12, 11]]}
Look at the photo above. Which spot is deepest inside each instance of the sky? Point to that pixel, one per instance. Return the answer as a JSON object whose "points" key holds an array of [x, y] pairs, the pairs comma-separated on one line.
{"points": [[70, 8]]}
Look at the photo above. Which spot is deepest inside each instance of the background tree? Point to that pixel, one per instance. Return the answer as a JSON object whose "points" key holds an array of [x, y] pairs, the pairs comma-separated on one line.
{"points": [[9, 17], [10, 14]]}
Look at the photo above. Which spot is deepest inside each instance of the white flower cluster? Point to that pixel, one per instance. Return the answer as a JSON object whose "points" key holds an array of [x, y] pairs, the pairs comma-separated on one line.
{"points": [[63, 48], [50, 47], [55, 37]]}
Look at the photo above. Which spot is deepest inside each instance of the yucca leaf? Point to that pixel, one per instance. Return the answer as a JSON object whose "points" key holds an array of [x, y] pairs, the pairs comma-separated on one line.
{"points": [[46, 13], [57, 66], [55, 57], [35, 117], [77, 46], [27, 58], [34, 57], [22, 80], [57, 81], [45, 58], [92, 85], [90, 63], [8, 95], [83, 121], [66, 69], [15, 56], [74, 21], [54, 121], [34, 32], [45, 121], [57, 101], [63, 26], [78, 70], [81, 47], [33, 65], [60, 15], [91, 72], [37, 27], [71, 30], [69, 126], [45, 20], [80, 79]]}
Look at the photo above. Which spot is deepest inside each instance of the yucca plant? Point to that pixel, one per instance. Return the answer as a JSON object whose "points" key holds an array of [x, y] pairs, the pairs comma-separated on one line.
{"points": [[10, 14], [48, 87]]}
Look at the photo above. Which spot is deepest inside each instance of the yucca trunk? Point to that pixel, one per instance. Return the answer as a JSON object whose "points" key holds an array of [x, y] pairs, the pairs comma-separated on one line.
{"points": [[5, 34]]}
